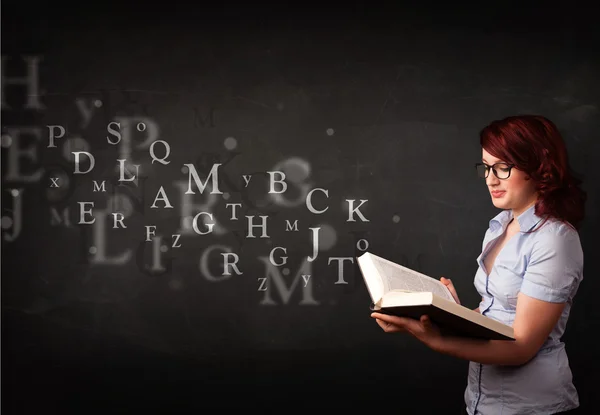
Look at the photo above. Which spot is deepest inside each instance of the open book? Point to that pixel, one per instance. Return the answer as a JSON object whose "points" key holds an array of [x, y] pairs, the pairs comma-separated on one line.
{"points": [[401, 291]]}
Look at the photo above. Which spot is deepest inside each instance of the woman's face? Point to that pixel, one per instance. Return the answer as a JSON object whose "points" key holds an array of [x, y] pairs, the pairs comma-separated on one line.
{"points": [[516, 193]]}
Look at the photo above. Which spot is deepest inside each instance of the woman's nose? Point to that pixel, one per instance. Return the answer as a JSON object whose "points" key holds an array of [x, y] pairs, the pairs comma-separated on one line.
{"points": [[491, 179]]}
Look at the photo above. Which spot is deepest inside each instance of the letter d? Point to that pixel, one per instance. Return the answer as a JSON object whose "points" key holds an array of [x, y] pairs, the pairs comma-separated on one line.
{"points": [[77, 162]]}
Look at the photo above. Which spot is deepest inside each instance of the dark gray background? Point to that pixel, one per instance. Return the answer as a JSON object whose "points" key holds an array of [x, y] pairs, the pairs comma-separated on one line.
{"points": [[404, 90]]}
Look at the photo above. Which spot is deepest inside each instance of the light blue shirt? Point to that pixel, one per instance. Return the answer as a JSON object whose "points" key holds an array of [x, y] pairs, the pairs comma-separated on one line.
{"points": [[548, 265]]}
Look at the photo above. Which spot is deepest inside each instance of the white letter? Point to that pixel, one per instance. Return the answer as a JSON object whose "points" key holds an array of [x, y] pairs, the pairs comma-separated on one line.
{"points": [[290, 227], [272, 181], [247, 178], [215, 179], [120, 220], [122, 171], [77, 162], [30, 81], [167, 151], [195, 223], [351, 210], [164, 198], [226, 263], [17, 210], [366, 245], [82, 212], [150, 232], [263, 226], [305, 278], [56, 218], [315, 244], [114, 132], [284, 258], [15, 153], [309, 201], [234, 205], [51, 135], [100, 188], [340, 261]]}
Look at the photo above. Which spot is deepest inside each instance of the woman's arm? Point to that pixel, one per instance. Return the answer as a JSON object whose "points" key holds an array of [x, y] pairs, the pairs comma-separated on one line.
{"points": [[489, 352], [533, 323]]}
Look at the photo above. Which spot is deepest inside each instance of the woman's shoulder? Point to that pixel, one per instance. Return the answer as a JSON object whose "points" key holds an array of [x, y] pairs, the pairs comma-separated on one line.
{"points": [[557, 236], [555, 228]]}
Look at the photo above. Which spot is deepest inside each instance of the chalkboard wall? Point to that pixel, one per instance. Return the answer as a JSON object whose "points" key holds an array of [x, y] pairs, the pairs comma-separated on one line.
{"points": [[352, 125]]}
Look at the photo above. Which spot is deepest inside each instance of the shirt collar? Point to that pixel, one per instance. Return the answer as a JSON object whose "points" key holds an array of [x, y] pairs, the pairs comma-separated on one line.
{"points": [[527, 220]]}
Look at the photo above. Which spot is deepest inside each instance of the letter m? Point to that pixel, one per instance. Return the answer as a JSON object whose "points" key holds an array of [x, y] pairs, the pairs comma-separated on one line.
{"points": [[100, 188], [274, 279], [202, 121], [57, 220], [290, 227]]}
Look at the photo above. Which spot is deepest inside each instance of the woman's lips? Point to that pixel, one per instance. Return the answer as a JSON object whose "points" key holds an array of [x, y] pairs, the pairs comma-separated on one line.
{"points": [[498, 194]]}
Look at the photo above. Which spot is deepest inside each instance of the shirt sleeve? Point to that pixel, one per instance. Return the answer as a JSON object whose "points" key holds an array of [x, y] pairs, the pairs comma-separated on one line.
{"points": [[555, 268]]}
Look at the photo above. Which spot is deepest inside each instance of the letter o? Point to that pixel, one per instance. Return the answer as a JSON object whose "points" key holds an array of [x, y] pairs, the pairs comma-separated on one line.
{"points": [[366, 245]]}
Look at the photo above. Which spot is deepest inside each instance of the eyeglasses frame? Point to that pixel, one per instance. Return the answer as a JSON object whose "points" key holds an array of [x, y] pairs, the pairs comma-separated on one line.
{"points": [[492, 168]]}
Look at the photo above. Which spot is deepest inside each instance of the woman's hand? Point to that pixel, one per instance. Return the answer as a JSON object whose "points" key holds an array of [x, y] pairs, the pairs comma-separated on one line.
{"points": [[448, 283], [423, 329]]}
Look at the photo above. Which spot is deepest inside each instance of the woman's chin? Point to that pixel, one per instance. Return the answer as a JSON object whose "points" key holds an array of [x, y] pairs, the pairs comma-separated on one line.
{"points": [[500, 204]]}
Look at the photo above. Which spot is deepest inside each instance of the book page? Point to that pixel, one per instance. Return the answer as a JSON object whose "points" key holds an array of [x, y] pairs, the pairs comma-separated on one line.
{"points": [[397, 277]]}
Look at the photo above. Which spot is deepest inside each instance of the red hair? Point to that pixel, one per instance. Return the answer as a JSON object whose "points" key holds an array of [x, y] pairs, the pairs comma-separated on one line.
{"points": [[535, 146]]}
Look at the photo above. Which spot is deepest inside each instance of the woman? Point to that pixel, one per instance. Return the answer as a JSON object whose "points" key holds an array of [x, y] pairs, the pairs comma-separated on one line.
{"points": [[529, 271]]}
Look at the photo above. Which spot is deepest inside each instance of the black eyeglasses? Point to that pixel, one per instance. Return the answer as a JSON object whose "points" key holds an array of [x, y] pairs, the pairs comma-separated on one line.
{"points": [[501, 170]]}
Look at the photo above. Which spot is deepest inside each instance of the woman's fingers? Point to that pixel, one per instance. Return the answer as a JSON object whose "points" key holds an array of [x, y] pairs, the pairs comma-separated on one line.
{"points": [[389, 327], [448, 283]]}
